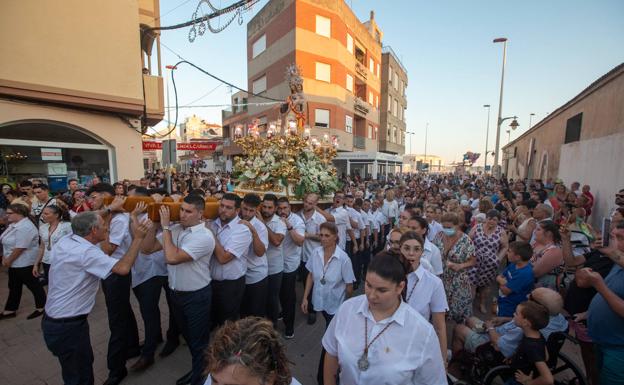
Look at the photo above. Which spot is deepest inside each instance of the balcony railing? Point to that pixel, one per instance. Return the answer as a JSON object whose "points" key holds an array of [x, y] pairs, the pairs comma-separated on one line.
{"points": [[361, 106], [359, 142], [388, 49], [361, 71]]}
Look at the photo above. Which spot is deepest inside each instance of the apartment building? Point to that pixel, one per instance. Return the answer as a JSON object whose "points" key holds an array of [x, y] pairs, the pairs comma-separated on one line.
{"points": [[340, 58], [393, 103], [78, 82]]}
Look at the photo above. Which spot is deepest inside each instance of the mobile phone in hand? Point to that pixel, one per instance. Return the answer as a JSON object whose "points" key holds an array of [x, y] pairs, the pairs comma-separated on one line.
{"points": [[606, 231]]}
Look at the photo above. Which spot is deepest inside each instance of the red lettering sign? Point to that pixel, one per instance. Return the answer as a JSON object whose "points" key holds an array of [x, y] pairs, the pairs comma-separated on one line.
{"points": [[197, 146], [149, 146], [192, 146]]}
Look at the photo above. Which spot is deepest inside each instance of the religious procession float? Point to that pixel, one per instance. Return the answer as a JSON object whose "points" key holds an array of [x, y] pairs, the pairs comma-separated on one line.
{"points": [[286, 161]]}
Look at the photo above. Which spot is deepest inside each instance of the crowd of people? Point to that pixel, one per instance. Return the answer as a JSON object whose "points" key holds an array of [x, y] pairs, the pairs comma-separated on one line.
{"points": [[447, 264]]}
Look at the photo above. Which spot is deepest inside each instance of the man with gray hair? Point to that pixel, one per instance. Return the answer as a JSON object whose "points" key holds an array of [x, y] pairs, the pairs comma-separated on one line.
{"points": [[77, 265]]}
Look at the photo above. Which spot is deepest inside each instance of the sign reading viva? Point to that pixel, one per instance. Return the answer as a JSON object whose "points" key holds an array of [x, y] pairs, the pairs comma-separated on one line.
{"points": [[190, 146]]}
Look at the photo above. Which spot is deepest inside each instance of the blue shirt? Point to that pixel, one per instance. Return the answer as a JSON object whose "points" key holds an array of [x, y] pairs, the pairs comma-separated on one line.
{"points": [[511, 335], [520, 282], [605, 326]]}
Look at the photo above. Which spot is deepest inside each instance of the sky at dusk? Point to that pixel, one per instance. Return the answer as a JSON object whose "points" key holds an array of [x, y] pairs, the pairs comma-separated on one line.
{"points": [[556, 48]]}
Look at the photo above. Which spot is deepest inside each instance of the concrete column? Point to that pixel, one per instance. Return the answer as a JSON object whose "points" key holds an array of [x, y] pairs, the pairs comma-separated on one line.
{"points": [[348, 167], [387, 167], [375, 169]]}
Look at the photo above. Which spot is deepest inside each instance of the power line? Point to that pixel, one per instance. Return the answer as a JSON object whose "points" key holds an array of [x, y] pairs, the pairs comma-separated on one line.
{"points": [[204, 95], [171, 10]]}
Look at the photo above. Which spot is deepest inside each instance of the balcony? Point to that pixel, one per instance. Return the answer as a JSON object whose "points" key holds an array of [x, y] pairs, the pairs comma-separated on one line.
{"points": [[154, 99], [361, 71], [359, 142], [360, 107]]}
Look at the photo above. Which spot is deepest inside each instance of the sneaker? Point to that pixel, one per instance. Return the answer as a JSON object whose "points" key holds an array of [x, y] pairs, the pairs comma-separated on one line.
{"points": [[289, 336]]}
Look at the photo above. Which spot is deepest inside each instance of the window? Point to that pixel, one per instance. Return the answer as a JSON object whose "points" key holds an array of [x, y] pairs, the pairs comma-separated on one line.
{"points": [[259, 85], [388, 132], [390, 75], [378, 69], [323, 26], [573, 128], [377, 101], [371, 65], [394, 107], [370, 131], [349, 124], [400, 111], [349, 43], [394, 134], [349, 82], [370, 97], [258, 46], [389, 103], [396, 81], [321, 118], [323, 72]]}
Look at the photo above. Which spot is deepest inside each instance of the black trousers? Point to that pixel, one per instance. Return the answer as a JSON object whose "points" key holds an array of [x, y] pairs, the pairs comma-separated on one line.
{"points": [[288, 300], [361, 264], [273, 297], [124, 336], [353, 257], [148, 295], [227, 297], [255, 299], [191, 310], [173, 332], [70, 343], [19, 276], [319, 374], [304, 273]]}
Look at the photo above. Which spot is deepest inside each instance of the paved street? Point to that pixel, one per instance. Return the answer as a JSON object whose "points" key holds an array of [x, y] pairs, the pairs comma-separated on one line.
{"points": [[25, 360]]}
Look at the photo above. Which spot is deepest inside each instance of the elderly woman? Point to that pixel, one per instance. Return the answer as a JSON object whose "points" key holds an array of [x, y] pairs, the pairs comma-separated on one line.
{"points": [[20, 243], [458, 255]]}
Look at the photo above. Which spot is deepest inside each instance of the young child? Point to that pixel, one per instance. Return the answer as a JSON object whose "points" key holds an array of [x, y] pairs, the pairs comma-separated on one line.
{"points": [[529, 361], [516, 281]]}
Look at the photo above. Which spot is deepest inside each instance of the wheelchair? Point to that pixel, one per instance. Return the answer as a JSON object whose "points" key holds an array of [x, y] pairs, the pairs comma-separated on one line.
{"points": [[486, 366]]}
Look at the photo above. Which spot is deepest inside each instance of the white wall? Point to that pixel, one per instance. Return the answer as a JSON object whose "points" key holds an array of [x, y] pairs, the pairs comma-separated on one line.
{"points": [[598, 163]]}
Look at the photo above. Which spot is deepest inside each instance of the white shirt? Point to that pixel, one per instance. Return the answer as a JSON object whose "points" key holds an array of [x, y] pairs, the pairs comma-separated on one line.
{"points": [[119, 234], [147, 266], [257, 265], [21, 235], [274, 253], [312, 226], [338, 272], [390, 210], [341, 217], [293, 381], [292, 252], [38, 206], [428, 296], [235, 239], [432, 254], [434, 229], [62, 229], [380, 218], [407, 353], [355, 216], [373, 222], [76, 268], [199, 243]]}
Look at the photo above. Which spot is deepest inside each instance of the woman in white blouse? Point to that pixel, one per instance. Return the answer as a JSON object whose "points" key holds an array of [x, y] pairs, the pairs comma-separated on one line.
{"points": [[424, 291], [330, 275], [53, 229], [20, 245], [379, 339]]}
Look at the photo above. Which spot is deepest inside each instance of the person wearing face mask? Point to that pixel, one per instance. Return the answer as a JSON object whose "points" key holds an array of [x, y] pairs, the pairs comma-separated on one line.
{"points": [[424, 291], [377, 338], [458, 255]]}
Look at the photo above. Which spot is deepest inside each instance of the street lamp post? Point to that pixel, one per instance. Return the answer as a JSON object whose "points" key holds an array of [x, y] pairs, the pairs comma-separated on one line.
{"points": [[500, 107], [426, 131], [531, 115], [487, 136]]}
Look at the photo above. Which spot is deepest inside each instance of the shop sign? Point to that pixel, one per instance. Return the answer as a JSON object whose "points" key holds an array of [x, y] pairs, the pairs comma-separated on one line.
{"points": [[51, 154], [191, 146]]}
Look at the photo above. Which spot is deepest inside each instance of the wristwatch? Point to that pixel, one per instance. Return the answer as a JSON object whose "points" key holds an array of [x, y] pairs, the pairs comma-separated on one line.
{"points": [[166, 228]]}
